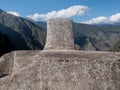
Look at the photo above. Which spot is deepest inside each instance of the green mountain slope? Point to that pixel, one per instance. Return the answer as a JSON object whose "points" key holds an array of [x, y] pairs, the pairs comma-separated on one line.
{"points": [[116, 47]]}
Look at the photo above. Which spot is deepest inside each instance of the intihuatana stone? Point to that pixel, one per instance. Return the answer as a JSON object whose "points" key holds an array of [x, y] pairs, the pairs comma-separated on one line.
{"points": [[60, 35]]}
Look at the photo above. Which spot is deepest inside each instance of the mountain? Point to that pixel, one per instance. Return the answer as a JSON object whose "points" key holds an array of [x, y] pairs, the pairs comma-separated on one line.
{"points": [[24, 34], [86, 35], [102, 37]]}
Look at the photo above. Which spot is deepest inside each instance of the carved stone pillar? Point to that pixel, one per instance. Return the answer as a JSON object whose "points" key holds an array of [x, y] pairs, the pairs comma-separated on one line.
{"points": [[59, 35]]}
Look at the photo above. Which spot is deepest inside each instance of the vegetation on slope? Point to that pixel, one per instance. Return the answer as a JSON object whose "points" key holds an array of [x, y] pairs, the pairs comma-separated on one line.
{"points": [[116, 47]]}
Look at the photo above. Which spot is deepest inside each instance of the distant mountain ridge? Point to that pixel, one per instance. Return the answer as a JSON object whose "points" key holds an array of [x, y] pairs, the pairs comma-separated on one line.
{"points": [[101, 37]]}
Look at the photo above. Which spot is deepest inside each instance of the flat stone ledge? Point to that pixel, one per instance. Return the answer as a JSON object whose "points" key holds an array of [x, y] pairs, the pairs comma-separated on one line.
{"points": [[79, 54]]}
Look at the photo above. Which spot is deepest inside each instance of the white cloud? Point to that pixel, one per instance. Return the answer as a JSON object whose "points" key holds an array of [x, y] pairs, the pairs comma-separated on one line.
{"points": [[13, 13], [114, 18], [104, 20], [35, 17], [76, 10], [97, 20]]}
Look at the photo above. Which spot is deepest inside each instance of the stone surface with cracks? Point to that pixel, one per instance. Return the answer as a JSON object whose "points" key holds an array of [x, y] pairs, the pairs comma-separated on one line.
{"points": [[60, 35], [61, 70]]}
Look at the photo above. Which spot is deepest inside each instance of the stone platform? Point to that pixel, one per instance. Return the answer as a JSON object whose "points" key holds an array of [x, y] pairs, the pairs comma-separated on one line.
{"points": [[60, 70]]}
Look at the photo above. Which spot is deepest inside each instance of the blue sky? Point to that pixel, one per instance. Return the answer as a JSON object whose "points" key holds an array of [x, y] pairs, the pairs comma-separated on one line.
{"points": [[86, 11]]}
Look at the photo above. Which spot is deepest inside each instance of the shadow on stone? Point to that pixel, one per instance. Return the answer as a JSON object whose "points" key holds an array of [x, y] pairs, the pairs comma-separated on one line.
{"points": [[3, 75]]}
